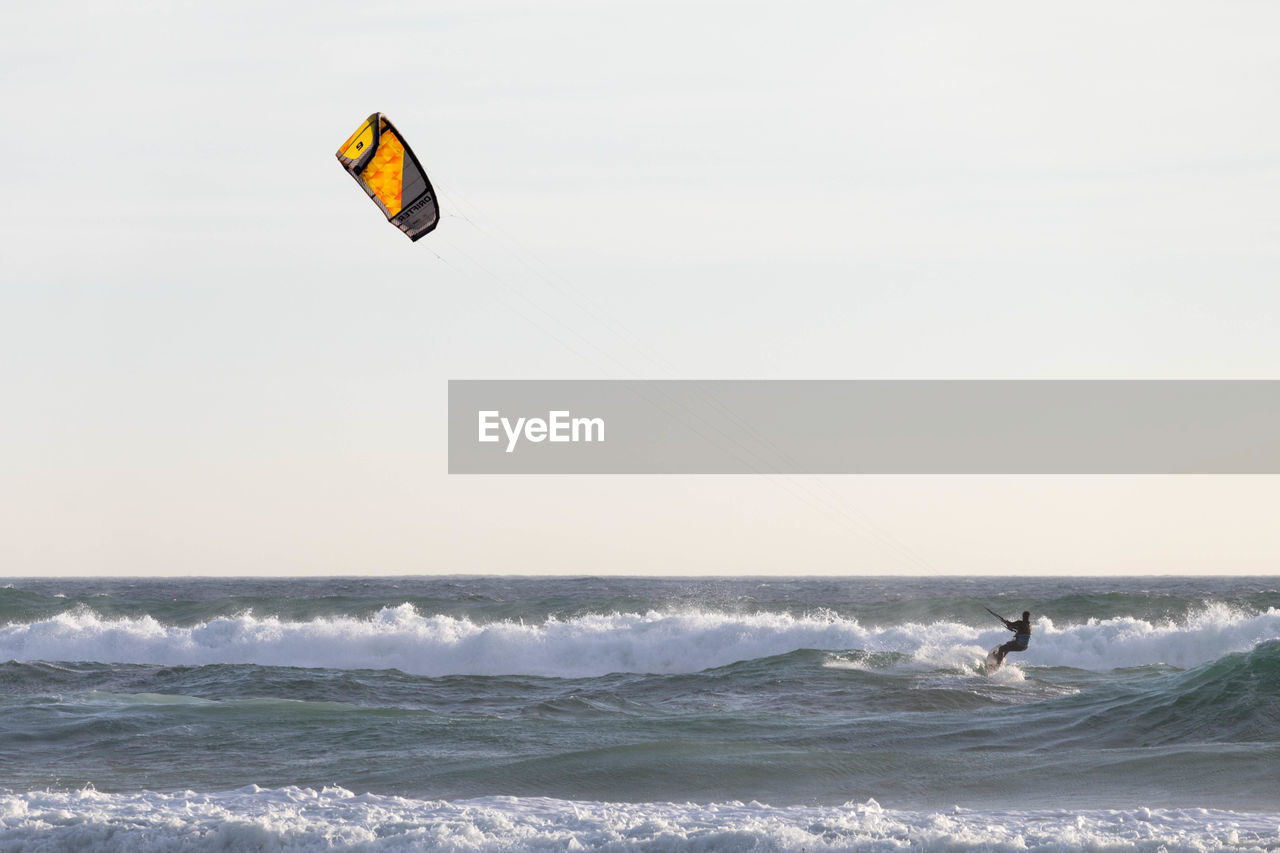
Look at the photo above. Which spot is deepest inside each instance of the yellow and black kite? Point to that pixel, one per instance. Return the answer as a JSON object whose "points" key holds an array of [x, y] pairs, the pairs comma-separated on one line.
{"points": [[382, 163]]}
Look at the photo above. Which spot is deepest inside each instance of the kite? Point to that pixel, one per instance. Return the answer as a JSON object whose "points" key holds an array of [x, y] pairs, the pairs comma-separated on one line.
{"points": [[382, 163]]}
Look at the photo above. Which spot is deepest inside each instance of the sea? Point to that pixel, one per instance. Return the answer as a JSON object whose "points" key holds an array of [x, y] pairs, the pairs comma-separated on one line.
{"points": [[638, 714]]}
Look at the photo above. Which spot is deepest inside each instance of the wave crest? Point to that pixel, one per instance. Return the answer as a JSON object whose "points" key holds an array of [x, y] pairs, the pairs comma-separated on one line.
{"points": [[591, 645]]}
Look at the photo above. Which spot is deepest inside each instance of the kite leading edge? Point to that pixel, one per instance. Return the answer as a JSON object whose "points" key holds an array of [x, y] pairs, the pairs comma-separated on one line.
{"points": [[382, 163]]}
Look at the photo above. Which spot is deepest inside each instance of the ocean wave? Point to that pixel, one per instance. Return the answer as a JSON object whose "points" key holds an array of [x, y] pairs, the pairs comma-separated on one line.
{"points": [[1233, 699], [663, 642], [304, 819]]}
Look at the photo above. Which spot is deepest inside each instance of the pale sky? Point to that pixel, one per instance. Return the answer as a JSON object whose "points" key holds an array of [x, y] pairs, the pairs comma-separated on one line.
{"points": [[216, 357]]}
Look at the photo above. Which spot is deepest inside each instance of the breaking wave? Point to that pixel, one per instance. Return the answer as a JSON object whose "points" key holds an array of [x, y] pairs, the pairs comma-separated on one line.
{"points": [[305, 819], [402, 638]]}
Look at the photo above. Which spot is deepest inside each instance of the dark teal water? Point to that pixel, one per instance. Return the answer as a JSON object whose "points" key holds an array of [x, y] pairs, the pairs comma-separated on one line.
{"points": [[1133, 693]]}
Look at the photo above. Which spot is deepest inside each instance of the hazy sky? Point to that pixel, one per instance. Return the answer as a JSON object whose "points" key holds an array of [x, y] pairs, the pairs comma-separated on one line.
{"points": [[217, 357]]}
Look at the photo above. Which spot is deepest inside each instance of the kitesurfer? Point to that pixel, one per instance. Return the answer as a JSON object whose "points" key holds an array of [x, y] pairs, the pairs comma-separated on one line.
{"points": [[1021, 635]]}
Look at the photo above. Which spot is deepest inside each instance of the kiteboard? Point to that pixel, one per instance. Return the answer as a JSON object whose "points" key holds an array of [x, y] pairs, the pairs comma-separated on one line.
{"points": [[993, 662]]}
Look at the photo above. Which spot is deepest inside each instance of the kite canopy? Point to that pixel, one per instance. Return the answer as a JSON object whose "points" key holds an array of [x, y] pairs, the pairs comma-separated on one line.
{"points": [[382, 163]]}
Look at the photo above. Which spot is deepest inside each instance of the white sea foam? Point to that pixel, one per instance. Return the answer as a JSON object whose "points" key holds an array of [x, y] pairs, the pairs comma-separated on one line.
{"points": [[300, 819], [655, 642]]}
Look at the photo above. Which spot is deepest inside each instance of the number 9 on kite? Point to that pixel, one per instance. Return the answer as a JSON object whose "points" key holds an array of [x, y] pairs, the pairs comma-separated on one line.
{"points": [[382, 163]]}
